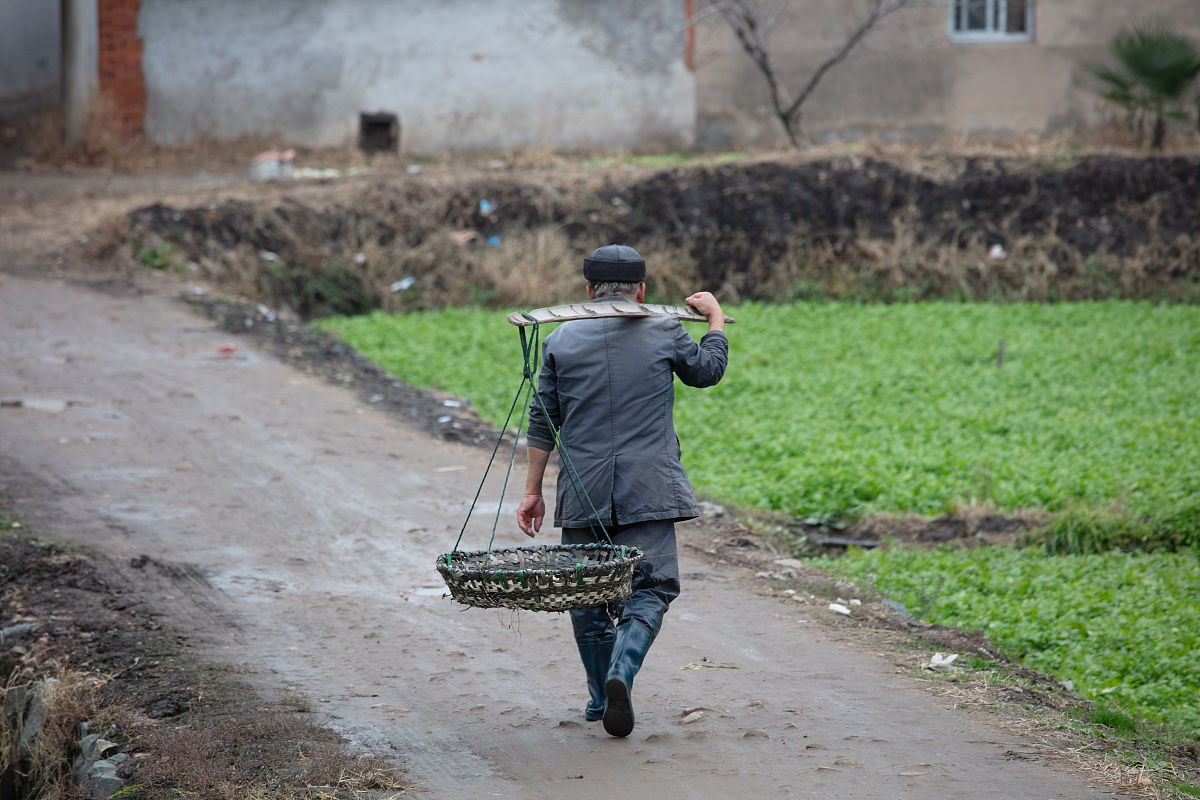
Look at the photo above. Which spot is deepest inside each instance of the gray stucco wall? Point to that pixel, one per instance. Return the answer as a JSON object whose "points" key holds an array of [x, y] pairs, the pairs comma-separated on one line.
{"points": [[460, 74], [30, 55]]}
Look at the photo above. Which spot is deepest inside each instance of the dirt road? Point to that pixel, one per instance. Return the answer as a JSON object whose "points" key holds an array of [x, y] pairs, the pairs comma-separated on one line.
{"points": [[294, 528]]}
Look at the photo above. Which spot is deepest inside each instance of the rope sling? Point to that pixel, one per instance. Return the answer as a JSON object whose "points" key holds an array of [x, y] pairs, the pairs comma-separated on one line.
{"points": [[543, 577]]}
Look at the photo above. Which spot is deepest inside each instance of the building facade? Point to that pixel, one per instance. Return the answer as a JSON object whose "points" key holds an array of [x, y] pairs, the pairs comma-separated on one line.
{"points": [[570, 74]]}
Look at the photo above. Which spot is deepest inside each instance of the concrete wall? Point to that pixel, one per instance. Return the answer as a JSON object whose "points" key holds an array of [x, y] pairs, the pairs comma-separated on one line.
{"points": [[459, 73], [910, 81], [30, 56]]}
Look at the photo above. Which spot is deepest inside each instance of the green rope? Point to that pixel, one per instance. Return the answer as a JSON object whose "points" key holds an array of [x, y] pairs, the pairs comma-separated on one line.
{"points": [[530, 348]]}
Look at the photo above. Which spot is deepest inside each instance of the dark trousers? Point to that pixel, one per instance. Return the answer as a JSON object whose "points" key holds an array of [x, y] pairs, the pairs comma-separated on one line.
{"points": [[655, 580]]}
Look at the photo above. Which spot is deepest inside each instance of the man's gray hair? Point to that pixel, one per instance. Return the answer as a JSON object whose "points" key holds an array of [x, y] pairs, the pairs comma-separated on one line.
{"points": [[610, 288]]}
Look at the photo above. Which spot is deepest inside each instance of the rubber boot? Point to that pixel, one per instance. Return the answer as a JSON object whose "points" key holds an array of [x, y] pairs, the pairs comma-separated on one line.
{"points": [[634, 638], [596, 656]]}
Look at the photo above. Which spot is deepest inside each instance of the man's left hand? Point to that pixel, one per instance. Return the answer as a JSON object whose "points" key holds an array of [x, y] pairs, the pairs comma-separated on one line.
{"points": [[530, 514]]}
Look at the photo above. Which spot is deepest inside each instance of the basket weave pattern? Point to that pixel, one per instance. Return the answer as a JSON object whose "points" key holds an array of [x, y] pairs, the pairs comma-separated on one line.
{"points": [[544, 578]]}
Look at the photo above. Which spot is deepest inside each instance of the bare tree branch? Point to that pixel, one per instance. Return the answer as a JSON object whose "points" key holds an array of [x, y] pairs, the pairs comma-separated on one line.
{"points": [[752, 34]]}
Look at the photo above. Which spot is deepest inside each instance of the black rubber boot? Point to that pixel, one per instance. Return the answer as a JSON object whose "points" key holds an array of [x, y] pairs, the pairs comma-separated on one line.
{"points": [[634, 638], [596, 658]]}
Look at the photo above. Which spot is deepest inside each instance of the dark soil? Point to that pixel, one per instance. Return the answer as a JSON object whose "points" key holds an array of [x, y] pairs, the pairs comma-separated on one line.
{"points": [[191, 727]]}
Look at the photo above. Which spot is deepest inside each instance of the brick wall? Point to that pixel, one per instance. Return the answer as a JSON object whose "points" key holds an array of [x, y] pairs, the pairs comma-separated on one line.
{"points": [[122, 82]]}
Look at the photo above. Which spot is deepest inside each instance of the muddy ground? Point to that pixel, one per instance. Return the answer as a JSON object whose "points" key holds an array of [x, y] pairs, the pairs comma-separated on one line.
{"points": [[259, 527]]}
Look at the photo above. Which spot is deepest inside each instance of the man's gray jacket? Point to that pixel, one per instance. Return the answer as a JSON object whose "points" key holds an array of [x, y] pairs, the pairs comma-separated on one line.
{"points": [[608, 385]]}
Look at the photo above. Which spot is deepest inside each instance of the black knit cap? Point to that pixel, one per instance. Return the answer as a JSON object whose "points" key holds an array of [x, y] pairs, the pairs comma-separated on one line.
{"points": [[615, 263]]}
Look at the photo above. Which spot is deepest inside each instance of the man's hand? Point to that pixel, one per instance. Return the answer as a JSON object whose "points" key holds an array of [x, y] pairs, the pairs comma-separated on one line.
{"points": [[704, 303], [530, 514]]}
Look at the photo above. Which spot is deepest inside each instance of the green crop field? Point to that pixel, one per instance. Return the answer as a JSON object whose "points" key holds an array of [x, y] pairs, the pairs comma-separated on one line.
{"points": [[834, 410]]}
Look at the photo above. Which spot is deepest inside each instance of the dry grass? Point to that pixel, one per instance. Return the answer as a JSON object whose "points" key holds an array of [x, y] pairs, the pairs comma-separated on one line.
{"points": [[63, 698]]}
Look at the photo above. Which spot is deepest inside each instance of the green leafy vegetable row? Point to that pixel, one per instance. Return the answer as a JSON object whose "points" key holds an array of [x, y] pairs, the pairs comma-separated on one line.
{"points": [[839, 410]]}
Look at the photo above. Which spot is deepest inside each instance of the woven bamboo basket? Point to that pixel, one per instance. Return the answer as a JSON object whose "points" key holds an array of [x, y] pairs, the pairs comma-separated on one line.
{"points": [[543, 578]]}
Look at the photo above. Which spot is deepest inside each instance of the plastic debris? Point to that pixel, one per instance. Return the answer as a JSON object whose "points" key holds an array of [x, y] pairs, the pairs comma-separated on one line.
{"points": [[838, 608], [492, 241], [452, 403], [996, 252], [360, 258], [413, 169], [445, 418], [402, 284], [485, 207], [940, 661], [272, 165], [267, 255]]}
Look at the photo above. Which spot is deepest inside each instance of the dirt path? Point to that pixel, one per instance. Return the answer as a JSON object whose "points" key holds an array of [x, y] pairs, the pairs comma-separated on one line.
{"points": [[294, 530]]}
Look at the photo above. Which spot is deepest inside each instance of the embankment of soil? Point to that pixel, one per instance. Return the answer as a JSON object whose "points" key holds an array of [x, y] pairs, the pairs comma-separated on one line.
{"points": [[844, 228]]}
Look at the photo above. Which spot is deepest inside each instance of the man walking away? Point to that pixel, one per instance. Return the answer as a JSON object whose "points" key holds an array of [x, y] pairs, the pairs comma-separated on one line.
{"points": [[608, 386]]}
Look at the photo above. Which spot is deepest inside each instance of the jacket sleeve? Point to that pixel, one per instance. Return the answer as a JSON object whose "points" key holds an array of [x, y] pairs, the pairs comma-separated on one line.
{"points": [[540, 434], [700, 364]]}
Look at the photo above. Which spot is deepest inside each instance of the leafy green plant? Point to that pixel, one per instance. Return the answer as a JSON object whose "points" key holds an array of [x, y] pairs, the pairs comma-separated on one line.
{"points": [[1120, 626], [1121, 723], [162, 256], [1156, 67]]}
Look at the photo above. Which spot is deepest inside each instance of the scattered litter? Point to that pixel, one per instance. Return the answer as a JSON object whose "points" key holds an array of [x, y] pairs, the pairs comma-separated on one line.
{"points": [[272, 165], [462, 237], [838, 608], [855, 603], [899, 608], [789, 592], [688, 719], [1069, 685], [402, 284], [47, 404], [485, 207], [360, 258], [451, 403], [267, 255], [413, 169], [940, 661], [197, 291], [227, 350], [789, 563], [316, 172], [451, 468], [492, 241], [375, 398], [444, 419], [996, 252], [704, 662], [266, 313]]}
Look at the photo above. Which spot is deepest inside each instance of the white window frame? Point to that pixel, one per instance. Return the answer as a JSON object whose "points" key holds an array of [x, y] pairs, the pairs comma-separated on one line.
{"points": [[991, 34]]}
